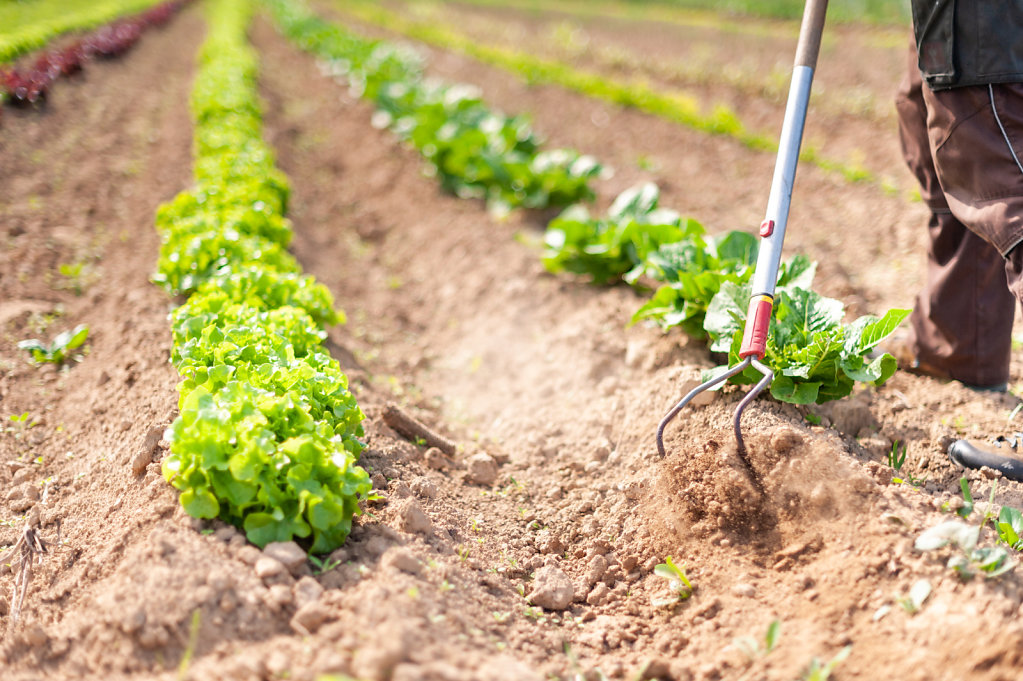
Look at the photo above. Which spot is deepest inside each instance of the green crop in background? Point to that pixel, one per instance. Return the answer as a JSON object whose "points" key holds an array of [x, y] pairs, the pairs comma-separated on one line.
{"points": [[880, 11]]}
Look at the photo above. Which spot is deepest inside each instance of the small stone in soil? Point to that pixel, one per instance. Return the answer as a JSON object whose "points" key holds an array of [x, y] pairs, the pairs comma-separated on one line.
{"points": [[435, 459]]}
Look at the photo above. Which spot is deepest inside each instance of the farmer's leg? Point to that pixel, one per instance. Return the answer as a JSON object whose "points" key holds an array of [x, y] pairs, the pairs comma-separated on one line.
{"points": [[962, 320]]}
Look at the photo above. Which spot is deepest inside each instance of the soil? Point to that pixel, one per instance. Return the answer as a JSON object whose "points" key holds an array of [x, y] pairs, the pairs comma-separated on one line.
{"points": [[529, 553]]}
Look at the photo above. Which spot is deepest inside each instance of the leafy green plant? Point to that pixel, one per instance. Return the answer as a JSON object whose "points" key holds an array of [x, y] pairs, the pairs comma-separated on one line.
{"points": [[639, 95], [814, 355], [29, 26], [473, 151], [617, 246], [1010, 527], [60, 350], [696, 269], [970, 559], [681, 587], [268, 436]]}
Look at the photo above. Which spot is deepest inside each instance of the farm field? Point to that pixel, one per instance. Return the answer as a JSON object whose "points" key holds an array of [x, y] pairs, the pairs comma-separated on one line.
{"points": [[519, 510]]}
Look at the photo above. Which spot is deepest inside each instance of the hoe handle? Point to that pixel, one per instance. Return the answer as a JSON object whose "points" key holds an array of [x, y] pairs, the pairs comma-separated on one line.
{"points": [[772, 229], [810, 33]]}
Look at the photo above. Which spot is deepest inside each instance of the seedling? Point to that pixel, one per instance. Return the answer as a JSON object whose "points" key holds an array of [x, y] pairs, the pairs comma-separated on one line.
{"points": [[20, 423], [680, 585], [966, 509], [819, 671], [753, 649], [1010, 527], [77, 276], [60, 350], [321, 565], [918, 593], [897, 456], [193, 641], [970, 560]]}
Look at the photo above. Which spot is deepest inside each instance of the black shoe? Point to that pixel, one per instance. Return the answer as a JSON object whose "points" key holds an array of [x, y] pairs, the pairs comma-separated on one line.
{"points": [[997, 455]]}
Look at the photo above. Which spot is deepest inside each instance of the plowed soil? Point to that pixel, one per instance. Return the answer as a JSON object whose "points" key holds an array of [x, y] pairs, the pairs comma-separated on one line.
{"points": [[551, 400]]}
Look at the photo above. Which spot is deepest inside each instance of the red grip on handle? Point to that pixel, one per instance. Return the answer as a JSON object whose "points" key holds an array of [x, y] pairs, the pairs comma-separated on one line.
{"points": [[758, 319]]}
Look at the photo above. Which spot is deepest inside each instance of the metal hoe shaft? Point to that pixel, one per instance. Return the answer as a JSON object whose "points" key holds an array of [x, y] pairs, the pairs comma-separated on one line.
{"points": [[772, 230]]}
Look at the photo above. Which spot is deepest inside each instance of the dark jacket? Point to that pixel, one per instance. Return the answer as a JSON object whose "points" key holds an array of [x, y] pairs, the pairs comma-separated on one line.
{"points": [[969, 42]]}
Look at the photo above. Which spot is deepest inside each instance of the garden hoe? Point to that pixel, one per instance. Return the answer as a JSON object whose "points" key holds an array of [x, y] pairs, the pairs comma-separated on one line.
{"points": [[772, 231]]}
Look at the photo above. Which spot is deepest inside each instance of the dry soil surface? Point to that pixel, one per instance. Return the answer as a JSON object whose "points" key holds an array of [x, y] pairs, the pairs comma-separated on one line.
{"points": [[529, 552]]}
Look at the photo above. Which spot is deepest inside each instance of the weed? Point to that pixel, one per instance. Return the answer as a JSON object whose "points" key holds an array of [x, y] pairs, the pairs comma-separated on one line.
{"points": [[60, 350], [970, 559], [321, 565], [77, 276], [20, 424], [819, 671], [753, 649], [193, 640], [534, 613], [897, 456], [680, 585], [918, 593]]}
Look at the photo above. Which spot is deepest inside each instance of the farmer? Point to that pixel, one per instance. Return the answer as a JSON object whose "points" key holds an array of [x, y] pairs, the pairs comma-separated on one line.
{"points": [[961, 125]]}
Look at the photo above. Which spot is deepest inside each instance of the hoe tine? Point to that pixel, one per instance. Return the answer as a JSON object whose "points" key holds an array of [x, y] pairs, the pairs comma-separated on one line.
{"points": [[738, 368], [750, 396]]}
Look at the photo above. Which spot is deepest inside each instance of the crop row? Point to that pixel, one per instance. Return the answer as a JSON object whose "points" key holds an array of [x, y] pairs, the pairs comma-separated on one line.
{"points": [[703, 282], [268, 435], [31, 83], [573, 42], [28, 26], [703, 287], [474, 151], [637, 95]]}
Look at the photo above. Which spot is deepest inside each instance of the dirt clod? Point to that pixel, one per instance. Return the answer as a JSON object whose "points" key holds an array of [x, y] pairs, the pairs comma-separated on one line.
{"points": [[288, 553], [403, 560], [785, 439], [552, 589], [412, 518], [310, 617], [423, 488], [147, 450], [481, 469], [306, 590], [269, 568]]}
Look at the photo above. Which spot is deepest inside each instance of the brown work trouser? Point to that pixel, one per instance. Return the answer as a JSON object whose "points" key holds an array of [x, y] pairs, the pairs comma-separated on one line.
{"points": [[965, 146]]}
